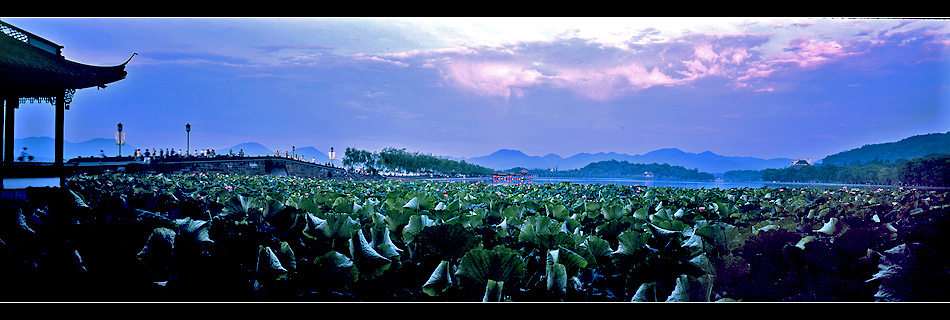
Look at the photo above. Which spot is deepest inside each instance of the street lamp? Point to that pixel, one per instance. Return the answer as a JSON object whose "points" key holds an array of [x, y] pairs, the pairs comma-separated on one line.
{"points": [[332, 155], [120, 138], [188, 133]]}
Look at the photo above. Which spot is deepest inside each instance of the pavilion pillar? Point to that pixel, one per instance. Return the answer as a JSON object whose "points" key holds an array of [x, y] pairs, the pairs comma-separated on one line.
{"points": [[60, 129], [11, 104]]}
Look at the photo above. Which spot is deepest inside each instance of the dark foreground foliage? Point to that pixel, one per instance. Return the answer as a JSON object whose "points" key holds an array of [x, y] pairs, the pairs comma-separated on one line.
{"points": [[121, 237]]}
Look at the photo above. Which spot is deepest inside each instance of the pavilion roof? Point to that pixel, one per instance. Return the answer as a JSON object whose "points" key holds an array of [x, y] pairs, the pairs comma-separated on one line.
{"points": [[33, 71]]}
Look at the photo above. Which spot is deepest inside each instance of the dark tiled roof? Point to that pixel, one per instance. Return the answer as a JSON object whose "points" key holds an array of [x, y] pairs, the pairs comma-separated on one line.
{"points": [[27, 71]]}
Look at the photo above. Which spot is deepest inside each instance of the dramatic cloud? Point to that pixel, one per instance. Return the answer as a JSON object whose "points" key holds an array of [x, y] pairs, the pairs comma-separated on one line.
{"points": [[758, 87]]}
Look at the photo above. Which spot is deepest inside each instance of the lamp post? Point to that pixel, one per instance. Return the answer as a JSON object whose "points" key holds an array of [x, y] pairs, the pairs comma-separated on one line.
{"points": [[188, 143], [332, 155], [120, 138]]}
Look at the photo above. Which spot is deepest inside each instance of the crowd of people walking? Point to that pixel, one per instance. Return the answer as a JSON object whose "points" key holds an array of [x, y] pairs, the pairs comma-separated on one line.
{"points": [[149, 155]]}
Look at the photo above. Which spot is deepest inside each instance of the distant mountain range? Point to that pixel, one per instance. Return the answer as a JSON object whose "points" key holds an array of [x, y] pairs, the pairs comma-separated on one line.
{"points": [[917, 146], [42, 148], [706, 162]]}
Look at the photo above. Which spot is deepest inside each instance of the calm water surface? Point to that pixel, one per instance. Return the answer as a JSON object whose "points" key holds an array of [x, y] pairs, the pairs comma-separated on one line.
{"points": [[692, 184]]}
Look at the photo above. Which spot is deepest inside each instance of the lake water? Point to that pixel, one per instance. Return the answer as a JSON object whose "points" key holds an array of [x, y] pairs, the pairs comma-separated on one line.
{"points": [[655, 183], [700, 184]]}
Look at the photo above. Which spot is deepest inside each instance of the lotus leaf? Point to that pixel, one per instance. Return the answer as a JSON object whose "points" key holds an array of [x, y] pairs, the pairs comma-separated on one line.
{"points": [[383, 244], [313, 226], [645, 293], [269, 268], [370, 263], [567, 257], [559, 212], [286, 254], [556, 275], [158, 252], [631, 242], [692, 289], [338, 226], [338, 268], [611, 212], [830, 227], [440, 280], [493, 291], [447, 241], [500, 264], [412, 204], [544, 232]]}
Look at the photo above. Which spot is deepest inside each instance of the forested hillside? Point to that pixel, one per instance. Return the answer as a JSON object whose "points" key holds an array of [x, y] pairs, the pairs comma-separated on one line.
{"points": [[909, 148], [400, 160], [933, 171]]}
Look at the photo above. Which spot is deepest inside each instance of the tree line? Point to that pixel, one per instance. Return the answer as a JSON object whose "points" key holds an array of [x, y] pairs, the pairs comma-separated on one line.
{"points": [[932, 171], [399, 160], [624, 169]]}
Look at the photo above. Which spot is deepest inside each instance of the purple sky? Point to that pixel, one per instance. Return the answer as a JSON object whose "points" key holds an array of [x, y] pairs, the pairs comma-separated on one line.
{"points": [[466, 87]]}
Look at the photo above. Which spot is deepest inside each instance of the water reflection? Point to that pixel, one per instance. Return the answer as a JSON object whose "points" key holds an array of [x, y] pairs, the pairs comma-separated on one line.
{"points": [[703, 184]]}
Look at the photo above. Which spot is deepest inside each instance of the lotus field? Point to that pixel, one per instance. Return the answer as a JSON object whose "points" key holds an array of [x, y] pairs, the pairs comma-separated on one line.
{"points": [[124, 237]]}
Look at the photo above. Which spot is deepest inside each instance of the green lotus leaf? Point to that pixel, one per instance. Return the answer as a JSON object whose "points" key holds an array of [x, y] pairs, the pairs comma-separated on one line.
{"points": [[238, 208], [415, 225], [674, 224], [829, 228], [500, 264], [642, 214], [443, 215], [702, 262], [558, 212], [286, 255], [481, 212], [721, 236], [598, 247], [440, 280], [269, 268], [611, 212], [556, 275], [513, 212], [694, 242], [313, 226], [158, 252], [665, 237], [396, 219], [592, 206], [901, 270], [447, 241], [645, 293], [370, 263], [345, 205], [412, 204], [77, 200], [570, 259], [22, 223], [337, 267], [383, 244], [453, 205], [338, 226], [692, 289], [631, 242], [272, 207], [493, 291], [545, 232], [197, 231]]}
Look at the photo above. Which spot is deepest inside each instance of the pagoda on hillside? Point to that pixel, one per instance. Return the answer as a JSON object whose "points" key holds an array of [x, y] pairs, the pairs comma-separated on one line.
{"points": [[33, 69]]}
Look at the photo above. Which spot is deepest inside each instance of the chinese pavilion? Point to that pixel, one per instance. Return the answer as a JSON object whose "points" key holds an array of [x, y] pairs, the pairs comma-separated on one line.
{"points": [[33, 69]]}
